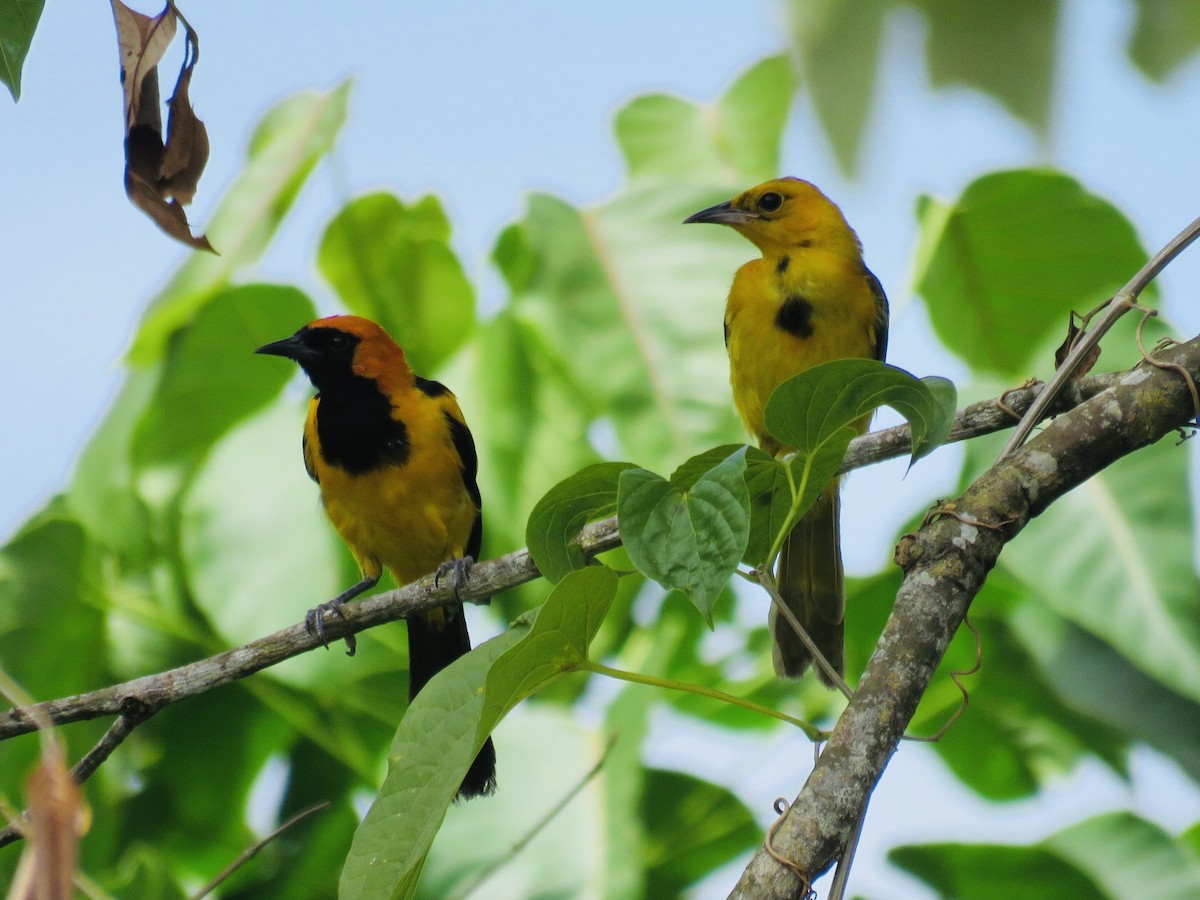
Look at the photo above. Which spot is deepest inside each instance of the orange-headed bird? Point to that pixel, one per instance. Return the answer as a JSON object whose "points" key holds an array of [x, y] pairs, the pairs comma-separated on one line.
{"points": [[808, 300], [396, 466]]}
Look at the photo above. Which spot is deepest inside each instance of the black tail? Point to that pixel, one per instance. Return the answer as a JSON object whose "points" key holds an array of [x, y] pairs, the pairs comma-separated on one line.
{"points": [[810, 582], [435, 640]]}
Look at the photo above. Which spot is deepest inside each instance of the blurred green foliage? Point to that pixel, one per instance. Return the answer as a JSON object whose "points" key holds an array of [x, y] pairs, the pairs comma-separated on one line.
{"points": [[189, 525]]}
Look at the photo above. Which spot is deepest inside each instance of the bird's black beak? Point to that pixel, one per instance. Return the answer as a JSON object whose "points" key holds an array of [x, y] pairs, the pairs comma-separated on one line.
{"points": [[292, 347], [721, 214]]}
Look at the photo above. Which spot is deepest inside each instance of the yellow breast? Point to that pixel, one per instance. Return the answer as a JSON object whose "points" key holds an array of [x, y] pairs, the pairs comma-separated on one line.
{"points": [[409, 518], [833, 315]]}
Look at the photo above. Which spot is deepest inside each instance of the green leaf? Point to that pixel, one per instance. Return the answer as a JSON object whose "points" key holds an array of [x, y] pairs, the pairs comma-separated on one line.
{"points": [[101, 493], [522, 456], [1112, 855], [393, 263], [195, 401], [625, 290], [1191, 839], [766, 484], [1130, 857], [1006, 50], [662, 136], [18, 21], [837, 44], [256, 547], [50, 599], [995, 872], [691, 540], [1114, 556], [603, 299], [53, 636], [289, 142], [448, 722], [627, 720], [178, 772], [1165, 37], [1002, 267], [1089, 676], [554, 524], [1017, 735], [545, 752], [818, 412], [692, 827]]}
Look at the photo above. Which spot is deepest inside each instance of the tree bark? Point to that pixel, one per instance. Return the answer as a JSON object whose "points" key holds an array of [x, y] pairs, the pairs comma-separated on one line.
{"points": [[945, 564]]}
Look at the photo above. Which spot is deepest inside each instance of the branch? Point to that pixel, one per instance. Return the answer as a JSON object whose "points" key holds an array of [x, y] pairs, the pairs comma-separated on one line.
{"points": [[945, 564], [153, 692], [1119, 304], [137, 700]]}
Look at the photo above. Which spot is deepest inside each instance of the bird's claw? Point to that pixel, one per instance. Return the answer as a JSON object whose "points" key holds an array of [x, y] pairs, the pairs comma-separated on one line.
{"points": [[314, 623], [461, 567]]}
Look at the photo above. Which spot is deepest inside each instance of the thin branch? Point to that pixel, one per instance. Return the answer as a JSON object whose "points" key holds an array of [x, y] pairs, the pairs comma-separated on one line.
{"points": [[470, 885], [137, 700], [164, 688], [132, 715], [767, 582], [812, 732], [1120, 303], [484, 580], [945, 565], [250, 852]]}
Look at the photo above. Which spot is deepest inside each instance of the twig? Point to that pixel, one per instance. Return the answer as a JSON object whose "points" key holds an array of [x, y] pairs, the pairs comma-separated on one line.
{"points": [[768, 584], [485, 579], [132, 715], [1120, 303], [841, 876], [151, 693], [249, 853], [469, 885]]}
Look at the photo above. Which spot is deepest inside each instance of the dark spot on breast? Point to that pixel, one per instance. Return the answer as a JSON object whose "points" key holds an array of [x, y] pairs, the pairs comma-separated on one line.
{"points": [[795, 317], [782, 265]]}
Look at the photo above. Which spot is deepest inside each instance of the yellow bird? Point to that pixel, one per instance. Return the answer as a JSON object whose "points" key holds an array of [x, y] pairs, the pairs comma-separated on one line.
{"points": [[396, 465], [810, 299]]}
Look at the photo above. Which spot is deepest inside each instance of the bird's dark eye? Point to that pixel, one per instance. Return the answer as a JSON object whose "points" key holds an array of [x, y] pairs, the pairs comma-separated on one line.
{"points": [[338, 340], [770, 201]]}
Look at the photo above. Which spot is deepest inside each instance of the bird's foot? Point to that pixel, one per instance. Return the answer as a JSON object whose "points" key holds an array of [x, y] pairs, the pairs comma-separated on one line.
{"points": [[461, 568], [314, 622]]}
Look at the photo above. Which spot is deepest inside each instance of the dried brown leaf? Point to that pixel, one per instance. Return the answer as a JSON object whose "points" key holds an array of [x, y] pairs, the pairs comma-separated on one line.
{"points": [[186, 151], [57, 819], [160, 177], [142, 41], [166, 214]]}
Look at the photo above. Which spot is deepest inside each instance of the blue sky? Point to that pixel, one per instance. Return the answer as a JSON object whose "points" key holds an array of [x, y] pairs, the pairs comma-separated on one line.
{"points": [[483, 102]]}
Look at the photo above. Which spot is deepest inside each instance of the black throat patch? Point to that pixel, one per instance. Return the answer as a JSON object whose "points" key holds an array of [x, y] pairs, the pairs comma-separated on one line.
{"points": [[795, 317], [356, 429]]}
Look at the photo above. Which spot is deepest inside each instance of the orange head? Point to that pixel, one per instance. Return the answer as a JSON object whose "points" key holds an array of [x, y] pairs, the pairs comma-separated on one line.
{"points": [[336, 349], [784, 214]]}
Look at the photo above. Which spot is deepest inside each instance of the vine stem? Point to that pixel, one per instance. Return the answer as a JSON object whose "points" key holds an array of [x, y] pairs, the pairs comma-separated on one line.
{"points": [[811, 731], [793, 514]]}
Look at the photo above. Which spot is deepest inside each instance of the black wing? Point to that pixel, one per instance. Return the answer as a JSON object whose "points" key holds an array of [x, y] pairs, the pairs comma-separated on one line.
{"points": [[881, 314], [464, 445]]}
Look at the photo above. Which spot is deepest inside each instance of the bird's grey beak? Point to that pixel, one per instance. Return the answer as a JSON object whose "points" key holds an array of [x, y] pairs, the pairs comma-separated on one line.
{"points": [[721, 214], [291, 347]]}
